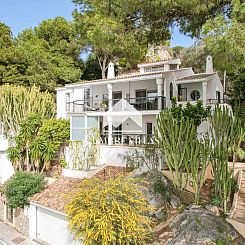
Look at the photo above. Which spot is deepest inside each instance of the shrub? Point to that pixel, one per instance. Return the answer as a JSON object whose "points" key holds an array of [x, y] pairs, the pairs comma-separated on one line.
{"points": [[111, 211], [194, 111], [21, 186]]}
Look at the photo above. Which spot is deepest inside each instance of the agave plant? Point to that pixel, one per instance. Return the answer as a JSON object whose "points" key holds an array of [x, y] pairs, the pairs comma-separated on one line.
{"points": [[37, 147], [14, 156], [49, 153]]}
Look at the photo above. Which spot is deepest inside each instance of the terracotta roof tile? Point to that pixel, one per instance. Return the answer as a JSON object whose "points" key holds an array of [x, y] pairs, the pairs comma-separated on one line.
{"points": [[118, 78], [53, 196], [195, 76]]}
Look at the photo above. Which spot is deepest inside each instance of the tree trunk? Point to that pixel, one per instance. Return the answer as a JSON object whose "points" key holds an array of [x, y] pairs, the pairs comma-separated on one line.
{"points": [[27, 157], [103, 66]]}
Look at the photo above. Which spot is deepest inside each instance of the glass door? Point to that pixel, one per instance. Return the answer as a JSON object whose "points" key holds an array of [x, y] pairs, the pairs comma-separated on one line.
{"points": [[140, 100]]}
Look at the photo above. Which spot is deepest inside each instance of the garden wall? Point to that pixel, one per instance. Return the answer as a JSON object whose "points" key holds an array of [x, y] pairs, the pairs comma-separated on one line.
{"points": [[2, 200], [21, 221]]}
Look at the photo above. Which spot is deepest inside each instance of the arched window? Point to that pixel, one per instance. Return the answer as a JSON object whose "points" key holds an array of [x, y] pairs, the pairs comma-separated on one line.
{"points": [[195, 95], [171, 91]]}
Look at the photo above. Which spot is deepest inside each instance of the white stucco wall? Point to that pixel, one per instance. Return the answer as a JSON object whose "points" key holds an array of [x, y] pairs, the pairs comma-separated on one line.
{"points": [[6, 167], [61, 103], [113, 155], [214, 85]]}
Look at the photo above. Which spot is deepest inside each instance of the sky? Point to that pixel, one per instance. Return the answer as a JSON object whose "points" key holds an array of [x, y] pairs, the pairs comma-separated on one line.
{"points": [[22, 14]]}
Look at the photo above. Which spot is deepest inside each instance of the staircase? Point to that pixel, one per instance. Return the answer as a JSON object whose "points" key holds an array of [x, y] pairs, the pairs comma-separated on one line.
{"points": [[238, 207]]}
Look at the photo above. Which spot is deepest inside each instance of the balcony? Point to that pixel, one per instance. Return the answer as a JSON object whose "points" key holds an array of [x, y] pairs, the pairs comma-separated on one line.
{"points": [[138, 103]]}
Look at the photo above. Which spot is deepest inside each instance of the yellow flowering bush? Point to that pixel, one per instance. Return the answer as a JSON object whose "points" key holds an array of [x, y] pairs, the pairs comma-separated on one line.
{"points": [[112, 211]]}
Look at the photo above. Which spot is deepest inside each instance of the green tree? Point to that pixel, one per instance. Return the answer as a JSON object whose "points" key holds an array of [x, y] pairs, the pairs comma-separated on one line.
{"points": [[194, 57], [47, 56], [106, 36], [6, 39], [39, 143], [224, 38], [21, 186], [112, 211]]}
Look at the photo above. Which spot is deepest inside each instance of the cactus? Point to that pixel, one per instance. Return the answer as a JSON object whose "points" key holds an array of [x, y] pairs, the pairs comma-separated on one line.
{"points": [[17, 102], [226, 135], [174, 138], [198, 154]]}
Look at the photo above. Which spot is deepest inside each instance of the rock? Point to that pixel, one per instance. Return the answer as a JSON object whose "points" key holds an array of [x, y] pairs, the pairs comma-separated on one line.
{"points": [[157, 201], [200, 226], [161, 214], [174, 201], [213, 209]]}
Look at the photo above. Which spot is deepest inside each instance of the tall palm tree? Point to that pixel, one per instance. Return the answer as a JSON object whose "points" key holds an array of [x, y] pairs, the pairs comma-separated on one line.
{"points": [[28, 130]]}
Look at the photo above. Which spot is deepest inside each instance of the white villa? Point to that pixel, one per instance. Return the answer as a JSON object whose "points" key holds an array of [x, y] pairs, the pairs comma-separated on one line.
{"points": [[124, 108]]}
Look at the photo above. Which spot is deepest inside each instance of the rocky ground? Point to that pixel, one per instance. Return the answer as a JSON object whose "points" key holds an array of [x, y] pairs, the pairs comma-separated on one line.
{"points": [[180, 225]]}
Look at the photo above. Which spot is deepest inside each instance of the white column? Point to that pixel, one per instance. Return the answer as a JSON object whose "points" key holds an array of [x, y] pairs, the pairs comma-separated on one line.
{"points": [[159, 82], [109, 118], [204, 94], [110, 139], [109, 87], [175, 90]]}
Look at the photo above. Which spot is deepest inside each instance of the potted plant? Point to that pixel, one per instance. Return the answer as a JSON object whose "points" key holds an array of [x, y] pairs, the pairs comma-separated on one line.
{"points": [[103, 106]]}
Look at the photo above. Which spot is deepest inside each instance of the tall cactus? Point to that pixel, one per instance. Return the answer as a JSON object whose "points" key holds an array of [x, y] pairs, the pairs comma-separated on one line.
{"points": [[226, 135], [174, 138], [198, 154], [17, 102]]}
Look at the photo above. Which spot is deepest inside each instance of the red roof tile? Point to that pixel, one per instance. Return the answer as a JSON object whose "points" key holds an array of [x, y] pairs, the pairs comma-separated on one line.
{"points": [[195, 76], [53, 196]]}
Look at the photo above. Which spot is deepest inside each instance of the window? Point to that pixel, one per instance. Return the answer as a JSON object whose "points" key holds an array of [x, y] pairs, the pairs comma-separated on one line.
{"points": [[182, 93], [154, 68], [195, 95], [140, 100], [151, 93], [171, 91], [116, 97], [152, 100], [87, 95], [77, 128], [105, 97], [218, 96], [173, 67], [149, 128]]}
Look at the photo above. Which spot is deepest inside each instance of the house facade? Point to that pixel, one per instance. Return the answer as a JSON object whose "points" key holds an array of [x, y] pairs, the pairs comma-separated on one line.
{"points": [[124, 108]]}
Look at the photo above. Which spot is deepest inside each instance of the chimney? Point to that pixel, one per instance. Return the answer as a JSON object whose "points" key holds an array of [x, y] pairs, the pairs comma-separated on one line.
{"points": [[209, 64], [111, 71]]}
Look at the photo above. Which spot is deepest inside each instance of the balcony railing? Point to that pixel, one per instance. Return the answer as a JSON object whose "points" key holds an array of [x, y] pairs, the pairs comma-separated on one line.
{"points": [[209, 101], [139, 103], [218, 101], [128, 139]]}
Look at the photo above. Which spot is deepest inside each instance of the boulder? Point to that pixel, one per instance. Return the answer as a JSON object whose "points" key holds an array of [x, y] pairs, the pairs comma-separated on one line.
{"points": [[197, 225], [174, 201]]}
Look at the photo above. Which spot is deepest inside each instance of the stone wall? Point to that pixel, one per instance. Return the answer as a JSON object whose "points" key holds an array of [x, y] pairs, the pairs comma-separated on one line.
{"points": [[2, 200], [21, 221]]}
